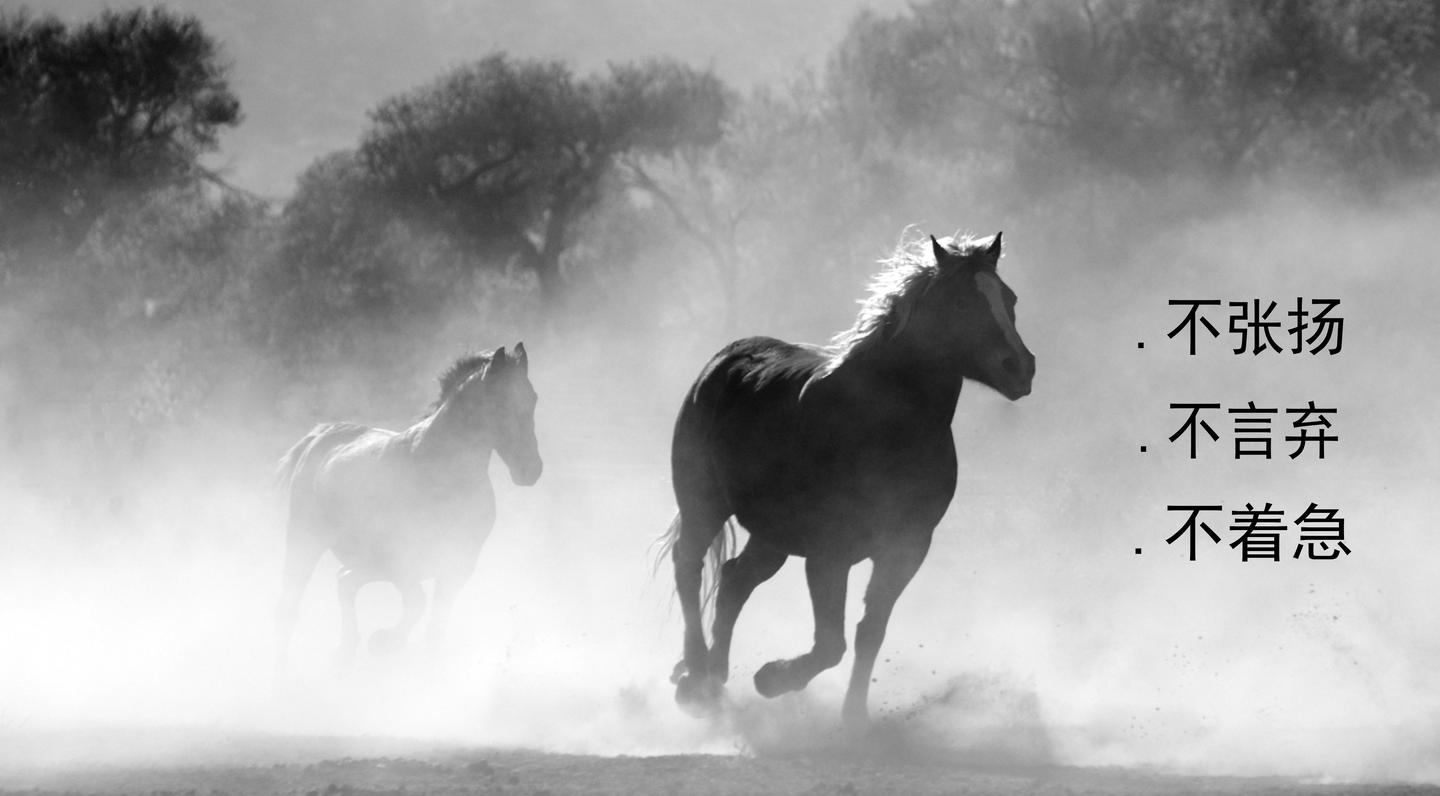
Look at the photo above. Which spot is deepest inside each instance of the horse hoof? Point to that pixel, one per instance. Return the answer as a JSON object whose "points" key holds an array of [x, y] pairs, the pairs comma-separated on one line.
{"points": [[698, 696], [678, 673], [770, 679]]}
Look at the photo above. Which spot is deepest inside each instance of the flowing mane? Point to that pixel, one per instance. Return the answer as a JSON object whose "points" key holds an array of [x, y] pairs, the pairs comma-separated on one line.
{"points": [[905, 276], [455, 375], [861, 467]]}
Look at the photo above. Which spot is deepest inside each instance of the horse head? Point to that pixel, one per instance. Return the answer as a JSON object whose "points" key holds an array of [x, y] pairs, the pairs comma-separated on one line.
{"points": [[503, 402], [976, 316]]}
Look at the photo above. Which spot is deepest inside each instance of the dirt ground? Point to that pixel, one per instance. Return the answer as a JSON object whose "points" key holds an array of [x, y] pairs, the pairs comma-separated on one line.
{"points": [[219, 763]]}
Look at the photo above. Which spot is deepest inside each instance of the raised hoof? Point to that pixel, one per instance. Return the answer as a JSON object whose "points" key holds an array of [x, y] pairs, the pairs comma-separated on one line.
{"points": [[698, 696], [772, 679]]}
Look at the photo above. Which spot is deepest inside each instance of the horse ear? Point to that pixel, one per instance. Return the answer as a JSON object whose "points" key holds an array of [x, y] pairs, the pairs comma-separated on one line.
{"points": [[940, 253], [521, 358], [991, 256], [498, 356]]}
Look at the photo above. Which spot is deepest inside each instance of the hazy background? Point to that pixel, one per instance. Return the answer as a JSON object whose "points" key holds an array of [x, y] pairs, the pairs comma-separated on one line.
{"points": [[309, 72], [304, 246]]}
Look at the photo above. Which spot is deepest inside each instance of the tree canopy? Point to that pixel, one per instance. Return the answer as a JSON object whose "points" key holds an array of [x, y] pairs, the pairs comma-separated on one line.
{"points": [[508, 155], [1152, 88], [126, 102]]}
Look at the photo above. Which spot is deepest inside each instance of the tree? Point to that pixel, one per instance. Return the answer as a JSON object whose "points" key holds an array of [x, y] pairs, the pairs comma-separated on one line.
{"points": [[784, 165], [123, 104], [507, 156], [1146, 90], [1265, 86], [345, 260]]}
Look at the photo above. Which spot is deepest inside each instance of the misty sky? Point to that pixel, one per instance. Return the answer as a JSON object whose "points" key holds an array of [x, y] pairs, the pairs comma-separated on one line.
{"points": [[308, 71]]}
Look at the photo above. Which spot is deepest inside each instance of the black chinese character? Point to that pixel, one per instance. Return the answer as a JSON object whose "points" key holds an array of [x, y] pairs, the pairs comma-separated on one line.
{"points": [[1260, 532], [1195, 305], [1190, 525], [1326, 329], [1190, 424], [1320, 528], [1252, 430], [1311, 417], [1256, 328]]}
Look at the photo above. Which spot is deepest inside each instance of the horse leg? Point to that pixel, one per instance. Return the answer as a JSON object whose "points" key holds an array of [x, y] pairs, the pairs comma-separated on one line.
{"points": [[412, 600], [692, 685], [446, 588], [302, 551], [827, 581], [347, 586], [890, 575], [739, 576]]}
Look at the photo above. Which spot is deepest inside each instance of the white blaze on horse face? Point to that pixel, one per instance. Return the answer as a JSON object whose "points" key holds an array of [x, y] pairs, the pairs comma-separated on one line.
{"points": [[989, 286]]}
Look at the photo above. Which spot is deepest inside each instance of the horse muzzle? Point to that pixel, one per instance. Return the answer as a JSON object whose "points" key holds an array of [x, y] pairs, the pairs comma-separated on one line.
{"points": [[527, 474], [1016, 375]]}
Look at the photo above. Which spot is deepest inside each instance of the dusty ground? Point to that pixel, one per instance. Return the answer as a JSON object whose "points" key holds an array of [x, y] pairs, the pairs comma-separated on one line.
{"points": [[179, 763]]}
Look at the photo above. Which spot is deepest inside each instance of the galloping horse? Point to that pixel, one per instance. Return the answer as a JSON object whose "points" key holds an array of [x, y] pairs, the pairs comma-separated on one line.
{"points": [[837, 455], [407, 506]]}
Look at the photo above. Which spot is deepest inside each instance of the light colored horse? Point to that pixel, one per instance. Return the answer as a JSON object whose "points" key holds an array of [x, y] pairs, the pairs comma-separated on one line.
{"points": [[407, 506]]}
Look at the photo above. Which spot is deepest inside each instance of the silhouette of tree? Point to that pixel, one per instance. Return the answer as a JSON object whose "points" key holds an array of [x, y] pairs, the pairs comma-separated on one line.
{"points": [[343, 258], [123, 104], [508, 155], [1226, 89]]}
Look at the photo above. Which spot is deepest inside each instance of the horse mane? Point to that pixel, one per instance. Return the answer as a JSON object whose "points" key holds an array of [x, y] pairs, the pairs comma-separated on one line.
{"points": [[904, 277], [455, 375]]}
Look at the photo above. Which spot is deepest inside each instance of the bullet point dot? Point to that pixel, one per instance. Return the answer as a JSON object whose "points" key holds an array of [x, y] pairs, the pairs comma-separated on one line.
{"points": [[1142, 448], [1139, 345], [1137, 551]]}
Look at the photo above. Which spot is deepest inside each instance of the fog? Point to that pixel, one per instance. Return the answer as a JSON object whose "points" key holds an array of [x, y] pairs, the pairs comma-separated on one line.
{"points": [[1033, 630], [1051, 623]]}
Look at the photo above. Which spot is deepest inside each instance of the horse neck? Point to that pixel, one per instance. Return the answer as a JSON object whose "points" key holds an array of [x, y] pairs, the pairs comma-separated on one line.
{"points": [[441, 436], [928, 377]]}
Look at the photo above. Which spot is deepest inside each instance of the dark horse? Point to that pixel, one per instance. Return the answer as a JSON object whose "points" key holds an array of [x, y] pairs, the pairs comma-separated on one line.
{"points": [[407, 506], [837, 455]]}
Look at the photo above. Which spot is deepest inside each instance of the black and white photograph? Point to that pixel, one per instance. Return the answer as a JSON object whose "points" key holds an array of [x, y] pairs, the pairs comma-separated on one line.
{"points": [[719, 397]]}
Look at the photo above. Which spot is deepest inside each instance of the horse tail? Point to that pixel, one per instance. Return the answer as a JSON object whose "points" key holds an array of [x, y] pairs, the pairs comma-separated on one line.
{"points": [[721, 549]]}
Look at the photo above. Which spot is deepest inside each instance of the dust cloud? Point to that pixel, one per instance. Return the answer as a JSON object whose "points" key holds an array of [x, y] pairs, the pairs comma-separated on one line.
{"points": [[1052, 623], [1034, 633]]}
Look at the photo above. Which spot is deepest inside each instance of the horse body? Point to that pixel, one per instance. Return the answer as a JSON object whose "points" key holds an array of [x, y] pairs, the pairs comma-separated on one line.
{"points": [[407, 506], [392, 512], [823, 466], [835, 455]]}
